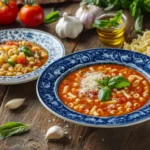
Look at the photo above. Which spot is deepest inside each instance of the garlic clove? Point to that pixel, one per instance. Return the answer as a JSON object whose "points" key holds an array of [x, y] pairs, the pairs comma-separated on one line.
{"points": [[87, 14], [68, 27], [54, 132], [14, 103]]}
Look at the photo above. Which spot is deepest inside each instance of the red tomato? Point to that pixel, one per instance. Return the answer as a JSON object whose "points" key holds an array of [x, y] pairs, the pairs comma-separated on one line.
{"points": [[21, 60], [11, 43], [31, 15], [122, 100], [8, 12]]}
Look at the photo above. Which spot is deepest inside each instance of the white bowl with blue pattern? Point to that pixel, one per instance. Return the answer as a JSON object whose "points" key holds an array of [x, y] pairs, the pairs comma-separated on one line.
{"points": [[48, 82], [49, 42]]}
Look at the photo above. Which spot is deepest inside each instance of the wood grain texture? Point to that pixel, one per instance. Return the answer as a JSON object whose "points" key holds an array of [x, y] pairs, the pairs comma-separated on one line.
{"points": [[78, 137], [3, 90]]}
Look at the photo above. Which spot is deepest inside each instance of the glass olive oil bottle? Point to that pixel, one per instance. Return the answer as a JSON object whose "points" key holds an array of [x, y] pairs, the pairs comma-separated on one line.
{"points": [[111, 29]]}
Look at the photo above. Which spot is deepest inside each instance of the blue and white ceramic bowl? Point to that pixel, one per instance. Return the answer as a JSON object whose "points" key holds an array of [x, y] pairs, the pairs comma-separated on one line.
{"points": [[48, 84], [50, 43]]}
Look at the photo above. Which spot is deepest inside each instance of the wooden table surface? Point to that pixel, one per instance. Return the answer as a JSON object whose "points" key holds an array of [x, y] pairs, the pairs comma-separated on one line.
{"points": [[135, 137]]}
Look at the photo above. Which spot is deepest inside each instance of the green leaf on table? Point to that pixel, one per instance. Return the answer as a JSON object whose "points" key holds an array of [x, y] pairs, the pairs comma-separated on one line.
{"points": [[104, 94], [118, 82], [52, 17], [12, 128]]}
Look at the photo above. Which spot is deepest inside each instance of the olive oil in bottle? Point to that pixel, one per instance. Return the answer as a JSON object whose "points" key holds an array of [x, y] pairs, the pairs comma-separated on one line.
{"points": [[112, 36]]}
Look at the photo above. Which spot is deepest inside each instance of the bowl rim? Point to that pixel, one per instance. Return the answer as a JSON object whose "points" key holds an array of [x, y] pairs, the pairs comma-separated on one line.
{"points": [[38, 74], [88, 124]]}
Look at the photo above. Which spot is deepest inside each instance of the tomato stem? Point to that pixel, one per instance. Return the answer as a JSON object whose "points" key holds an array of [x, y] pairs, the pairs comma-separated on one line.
{"points": [[30, 2]]}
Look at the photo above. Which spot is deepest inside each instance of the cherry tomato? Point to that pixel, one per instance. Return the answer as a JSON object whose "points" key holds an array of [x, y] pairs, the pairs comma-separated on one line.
{"points": [[8, 11], [31, 15], [21, 60], [11, 43]]}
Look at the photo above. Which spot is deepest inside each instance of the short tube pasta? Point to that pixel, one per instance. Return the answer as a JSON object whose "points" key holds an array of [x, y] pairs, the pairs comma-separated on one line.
{"points": [[79, 91], [20, 57]]}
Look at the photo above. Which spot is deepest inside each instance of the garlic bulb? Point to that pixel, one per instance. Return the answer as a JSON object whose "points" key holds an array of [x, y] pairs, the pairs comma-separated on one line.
{"points": [[69, 26], [87, 14], [14, 103], [55, 132]]}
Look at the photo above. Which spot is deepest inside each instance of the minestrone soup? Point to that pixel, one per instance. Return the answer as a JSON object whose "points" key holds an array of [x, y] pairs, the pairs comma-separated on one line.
{"points": [[104, 90], [20, 57]]}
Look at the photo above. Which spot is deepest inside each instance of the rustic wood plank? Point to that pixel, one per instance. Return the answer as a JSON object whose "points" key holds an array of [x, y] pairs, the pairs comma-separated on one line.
{"points": [[78, 137], [33, 112], [3, 89]]}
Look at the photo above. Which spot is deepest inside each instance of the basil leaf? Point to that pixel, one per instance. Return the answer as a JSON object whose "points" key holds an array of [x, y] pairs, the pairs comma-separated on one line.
{"points": [[112, 22], [52, 17], [125, 3], [118, 82], [11, 63], [12, 128], [138, 24], [104, 94], [104, 82], [9, 125], [146, 5], [133, 7], [118, 16], [114, 5], [26, 51], [102, 24]]}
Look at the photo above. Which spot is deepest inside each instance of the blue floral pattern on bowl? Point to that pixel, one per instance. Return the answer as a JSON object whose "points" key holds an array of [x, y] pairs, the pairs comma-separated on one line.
{"points": [[50, 78], [50, 43]]}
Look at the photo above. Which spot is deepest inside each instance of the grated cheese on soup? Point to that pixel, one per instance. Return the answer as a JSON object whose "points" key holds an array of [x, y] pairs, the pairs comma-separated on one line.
{"points": [[89, 82]]}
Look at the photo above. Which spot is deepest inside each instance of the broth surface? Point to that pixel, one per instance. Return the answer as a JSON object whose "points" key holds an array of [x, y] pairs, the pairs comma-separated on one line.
{"points": [[20, 57], [79, 91]]}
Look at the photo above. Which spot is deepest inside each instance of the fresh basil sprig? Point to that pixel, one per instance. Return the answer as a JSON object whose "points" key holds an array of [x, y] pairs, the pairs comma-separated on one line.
{"points": [[104, 82], [118, 82], [112, 22], [12, 128], [109, 84], [52, 17]]}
